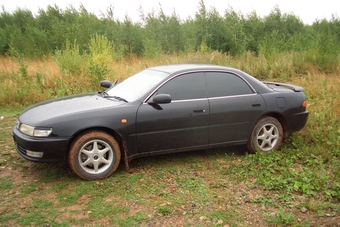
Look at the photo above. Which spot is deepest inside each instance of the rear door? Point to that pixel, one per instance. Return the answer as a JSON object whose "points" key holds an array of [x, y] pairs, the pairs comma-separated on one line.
{"points": [[234, 107], [181, 124]]}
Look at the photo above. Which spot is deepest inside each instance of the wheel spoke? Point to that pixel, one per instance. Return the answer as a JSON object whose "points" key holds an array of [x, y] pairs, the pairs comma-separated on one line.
{"points": [[269, 142], [261, 137], [87, 152], [96, 166], [95, 146], [103, 151], [263, 144], [271, 129], [102, 154], [105, 161], [89, 161], [274, 137]]}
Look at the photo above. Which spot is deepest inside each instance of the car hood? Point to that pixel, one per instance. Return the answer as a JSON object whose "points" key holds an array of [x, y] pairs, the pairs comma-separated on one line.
{"points": [[68, 105]]}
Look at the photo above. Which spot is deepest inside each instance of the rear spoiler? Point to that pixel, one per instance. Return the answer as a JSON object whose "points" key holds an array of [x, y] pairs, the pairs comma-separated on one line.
{"points": [[290, 86]]}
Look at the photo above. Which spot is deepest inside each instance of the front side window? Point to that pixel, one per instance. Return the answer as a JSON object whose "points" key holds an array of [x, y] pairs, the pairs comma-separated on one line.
{"points": [[185, 87], [222, 84]]}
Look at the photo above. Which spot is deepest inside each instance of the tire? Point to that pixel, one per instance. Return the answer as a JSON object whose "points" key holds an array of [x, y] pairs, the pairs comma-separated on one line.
{"points": [[267, 135], [94, 155]]}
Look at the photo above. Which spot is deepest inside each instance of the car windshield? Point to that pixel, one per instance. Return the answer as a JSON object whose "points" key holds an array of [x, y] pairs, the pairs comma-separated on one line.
{"points": [[136, 86]]}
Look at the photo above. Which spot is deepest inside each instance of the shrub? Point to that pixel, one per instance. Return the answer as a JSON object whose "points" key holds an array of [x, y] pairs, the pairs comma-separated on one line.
{"points": [[69, 60]]}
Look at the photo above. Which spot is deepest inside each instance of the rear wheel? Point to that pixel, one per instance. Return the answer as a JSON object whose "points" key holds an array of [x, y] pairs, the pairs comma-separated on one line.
{"points": [[266, 136], [94, 155]]}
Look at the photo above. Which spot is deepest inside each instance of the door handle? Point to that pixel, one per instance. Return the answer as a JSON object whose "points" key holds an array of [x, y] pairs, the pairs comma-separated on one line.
{"points": [[199, 111], [256, 104]]}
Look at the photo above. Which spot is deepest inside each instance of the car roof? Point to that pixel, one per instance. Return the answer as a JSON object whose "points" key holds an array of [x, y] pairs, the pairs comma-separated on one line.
{"points": [[181, 68], [188, 67]]}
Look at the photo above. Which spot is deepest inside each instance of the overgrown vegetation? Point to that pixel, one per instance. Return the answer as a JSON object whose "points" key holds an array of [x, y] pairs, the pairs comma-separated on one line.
{"points": [[47, 32], [295, 186], [62, 52]]}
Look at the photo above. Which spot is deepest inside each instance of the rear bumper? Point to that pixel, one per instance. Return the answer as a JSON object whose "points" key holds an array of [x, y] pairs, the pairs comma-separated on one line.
{"points": [[297, 122], [53, 149]]}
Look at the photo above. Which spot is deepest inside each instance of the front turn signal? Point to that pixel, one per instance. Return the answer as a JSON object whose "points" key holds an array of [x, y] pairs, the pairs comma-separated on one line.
{"points": [[304, 104]]}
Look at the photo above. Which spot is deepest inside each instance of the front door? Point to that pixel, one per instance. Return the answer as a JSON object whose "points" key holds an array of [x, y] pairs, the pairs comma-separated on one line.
{"points": [[183, 123]]}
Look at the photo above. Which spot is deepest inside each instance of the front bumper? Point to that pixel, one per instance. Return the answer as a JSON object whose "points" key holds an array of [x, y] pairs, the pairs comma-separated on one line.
{"points": [[53, 149]]}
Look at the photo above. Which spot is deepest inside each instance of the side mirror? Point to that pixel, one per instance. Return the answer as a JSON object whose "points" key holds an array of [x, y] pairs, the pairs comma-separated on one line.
{"points": [[106, 83], [160, 99]]}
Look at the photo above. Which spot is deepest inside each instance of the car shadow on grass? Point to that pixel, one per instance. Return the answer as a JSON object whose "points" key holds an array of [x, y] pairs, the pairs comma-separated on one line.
{"points": [[189, 157], [49, 172]]}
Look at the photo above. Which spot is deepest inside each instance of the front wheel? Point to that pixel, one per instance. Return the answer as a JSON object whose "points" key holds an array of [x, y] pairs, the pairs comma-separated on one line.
{"points": [[266, 136], [94, 155]]}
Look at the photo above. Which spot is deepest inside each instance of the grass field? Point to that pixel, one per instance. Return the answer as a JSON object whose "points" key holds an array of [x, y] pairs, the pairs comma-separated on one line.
{"points": [[299, 185]]}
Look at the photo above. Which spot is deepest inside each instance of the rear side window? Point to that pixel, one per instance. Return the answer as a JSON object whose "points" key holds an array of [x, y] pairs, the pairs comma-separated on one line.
{"points": [[226, 84], [184, 87]]}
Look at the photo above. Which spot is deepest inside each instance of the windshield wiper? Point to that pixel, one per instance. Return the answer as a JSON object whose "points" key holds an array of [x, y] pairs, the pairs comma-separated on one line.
{"points": [[103, 93], [106, 95], [118, 98]]}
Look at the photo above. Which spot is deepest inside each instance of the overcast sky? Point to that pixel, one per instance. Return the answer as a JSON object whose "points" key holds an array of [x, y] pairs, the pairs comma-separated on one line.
{"points": [[307, 11]]}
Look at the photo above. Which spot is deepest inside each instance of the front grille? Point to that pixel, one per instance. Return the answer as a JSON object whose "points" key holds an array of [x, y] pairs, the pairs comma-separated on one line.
{"points": [[21, 150]]}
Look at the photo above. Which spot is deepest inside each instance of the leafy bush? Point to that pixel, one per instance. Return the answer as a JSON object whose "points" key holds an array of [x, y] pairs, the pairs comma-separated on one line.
{"points": [[69, 60], [100, 56], [156, 33]]}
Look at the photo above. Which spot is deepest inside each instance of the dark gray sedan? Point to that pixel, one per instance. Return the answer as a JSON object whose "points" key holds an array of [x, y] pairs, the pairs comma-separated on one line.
{"points": [[160, 110]]}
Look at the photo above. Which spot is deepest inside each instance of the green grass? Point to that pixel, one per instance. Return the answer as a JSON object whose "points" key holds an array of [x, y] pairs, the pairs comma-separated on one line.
{"points": [[5, 183], [202, 188]]}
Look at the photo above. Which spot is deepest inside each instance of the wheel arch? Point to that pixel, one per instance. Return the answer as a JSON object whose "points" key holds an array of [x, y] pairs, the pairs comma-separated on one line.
{"points": [[275, 120], [109, 131], [278, 117]]}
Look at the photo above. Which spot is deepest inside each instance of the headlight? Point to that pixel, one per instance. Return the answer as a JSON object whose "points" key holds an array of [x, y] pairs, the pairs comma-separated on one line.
{"points": [[32, 131], [26, 129], [42, 132]]}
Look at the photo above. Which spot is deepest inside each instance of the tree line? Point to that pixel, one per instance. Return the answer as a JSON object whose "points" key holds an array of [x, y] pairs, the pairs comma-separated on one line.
{"points": [[52, 29]]}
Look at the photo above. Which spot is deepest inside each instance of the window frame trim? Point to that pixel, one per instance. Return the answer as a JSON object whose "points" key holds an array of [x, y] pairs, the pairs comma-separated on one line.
{"points": [[232, 96], [205, 78]]}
